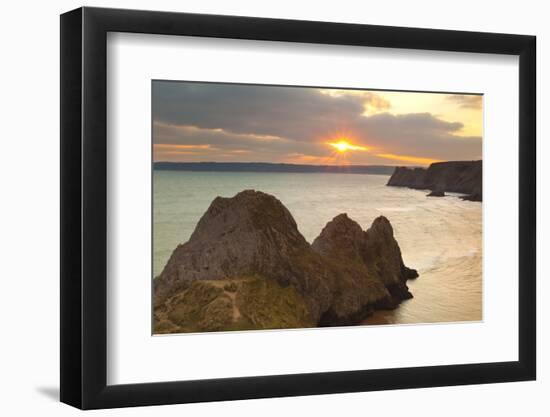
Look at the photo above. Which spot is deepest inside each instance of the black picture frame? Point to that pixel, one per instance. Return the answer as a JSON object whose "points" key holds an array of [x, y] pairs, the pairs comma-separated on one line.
{"points": [[84, 207]]}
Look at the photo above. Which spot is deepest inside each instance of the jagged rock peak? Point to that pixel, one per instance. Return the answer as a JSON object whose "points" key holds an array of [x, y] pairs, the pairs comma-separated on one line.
{"points": [[341, 234], [249, 245], [249, 209], [383, 225], [383, 255], [250, 234]]}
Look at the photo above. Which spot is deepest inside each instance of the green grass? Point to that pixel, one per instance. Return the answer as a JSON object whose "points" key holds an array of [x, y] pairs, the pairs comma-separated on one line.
{"points": [[246, 303], [264, 304]]}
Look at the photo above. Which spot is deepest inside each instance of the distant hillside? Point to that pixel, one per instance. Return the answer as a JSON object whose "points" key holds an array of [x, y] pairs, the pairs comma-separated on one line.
{"points": [[269, 167]]}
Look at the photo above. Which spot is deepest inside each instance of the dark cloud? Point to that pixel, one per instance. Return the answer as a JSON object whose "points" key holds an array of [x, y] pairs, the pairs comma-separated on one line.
{"points": [[296, 113], [274, 122]]}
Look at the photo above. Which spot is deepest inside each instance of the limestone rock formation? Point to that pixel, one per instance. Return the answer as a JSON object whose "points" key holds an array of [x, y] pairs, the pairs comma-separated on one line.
{"points": [[368, 269], [455, 176], [383, 256], [408, 177], [246, 266], [248, 235], [475, 195], [436, 193], [356, 290]]}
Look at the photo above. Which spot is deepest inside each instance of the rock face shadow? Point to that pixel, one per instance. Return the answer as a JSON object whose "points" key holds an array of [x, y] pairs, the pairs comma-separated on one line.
{"points": [[49, 392]]}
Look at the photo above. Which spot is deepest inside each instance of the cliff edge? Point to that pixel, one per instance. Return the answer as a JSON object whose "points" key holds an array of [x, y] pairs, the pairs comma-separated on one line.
{"points": [[464, 177]]}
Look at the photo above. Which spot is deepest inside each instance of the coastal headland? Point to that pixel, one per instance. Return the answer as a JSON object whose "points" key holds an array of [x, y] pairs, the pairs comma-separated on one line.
{"points": [[246, 266]]}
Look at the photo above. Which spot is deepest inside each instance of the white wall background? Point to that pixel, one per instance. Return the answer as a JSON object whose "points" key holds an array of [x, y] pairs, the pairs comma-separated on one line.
{"points": [[29, 225]]}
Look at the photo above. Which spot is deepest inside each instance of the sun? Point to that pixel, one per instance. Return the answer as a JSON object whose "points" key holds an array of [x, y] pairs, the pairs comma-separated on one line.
{"points": [[343, 145]]}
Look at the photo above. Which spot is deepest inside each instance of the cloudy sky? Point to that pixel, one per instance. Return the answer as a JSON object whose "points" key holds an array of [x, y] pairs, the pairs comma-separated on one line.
{"points": [[195, 122]]}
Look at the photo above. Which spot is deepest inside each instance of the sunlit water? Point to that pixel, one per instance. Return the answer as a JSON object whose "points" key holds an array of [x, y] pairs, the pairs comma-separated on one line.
{"points": [[440, 237]]}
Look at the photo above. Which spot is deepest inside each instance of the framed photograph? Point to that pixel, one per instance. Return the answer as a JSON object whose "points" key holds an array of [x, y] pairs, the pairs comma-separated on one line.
{"points": [[257, 208]]}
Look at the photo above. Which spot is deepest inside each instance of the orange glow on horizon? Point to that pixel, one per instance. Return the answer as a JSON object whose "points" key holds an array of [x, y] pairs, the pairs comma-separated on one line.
{"points": [[407, 158]]}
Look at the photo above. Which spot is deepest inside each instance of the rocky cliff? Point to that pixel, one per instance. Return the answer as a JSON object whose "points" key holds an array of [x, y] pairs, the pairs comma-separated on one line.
{"points": [[408, 177], [455, 176], [249, 235], [355, 290], [367, 268], [246, 266]]}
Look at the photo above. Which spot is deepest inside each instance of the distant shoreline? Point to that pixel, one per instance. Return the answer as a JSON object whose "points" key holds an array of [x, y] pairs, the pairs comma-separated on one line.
{"points": [[272, 168], [464, 177]]}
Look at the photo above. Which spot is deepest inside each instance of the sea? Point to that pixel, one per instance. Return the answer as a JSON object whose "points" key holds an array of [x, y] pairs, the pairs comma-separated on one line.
{"points": [[441, 237]]}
